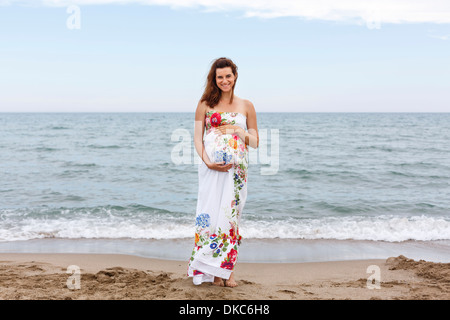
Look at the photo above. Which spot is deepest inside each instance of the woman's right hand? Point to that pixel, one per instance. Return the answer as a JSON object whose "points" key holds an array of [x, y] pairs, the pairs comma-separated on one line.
{"points": [[219, 166]]}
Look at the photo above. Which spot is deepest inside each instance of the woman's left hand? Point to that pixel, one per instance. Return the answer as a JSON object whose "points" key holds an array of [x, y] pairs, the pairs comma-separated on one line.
{"points": [[227, 129]]}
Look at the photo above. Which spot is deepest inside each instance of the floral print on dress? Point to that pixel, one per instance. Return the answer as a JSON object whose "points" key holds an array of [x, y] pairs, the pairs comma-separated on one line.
{"points": [[215, 120], [202, 220], [221, 156], [229, 148]]}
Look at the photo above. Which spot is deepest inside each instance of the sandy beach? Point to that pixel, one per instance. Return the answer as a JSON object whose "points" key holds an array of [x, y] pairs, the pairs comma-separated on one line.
{"points": [[118, 277]]}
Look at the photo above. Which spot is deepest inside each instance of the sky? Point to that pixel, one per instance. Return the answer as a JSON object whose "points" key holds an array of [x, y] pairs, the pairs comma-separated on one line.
{"points": [[292, 56]]}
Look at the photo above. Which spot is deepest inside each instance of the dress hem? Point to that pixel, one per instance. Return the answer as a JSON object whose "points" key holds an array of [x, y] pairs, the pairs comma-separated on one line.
{"points": [[209, 270]]}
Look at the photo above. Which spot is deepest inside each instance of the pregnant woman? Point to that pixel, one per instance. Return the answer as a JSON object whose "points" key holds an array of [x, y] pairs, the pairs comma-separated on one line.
{"points": [[225, 125]]}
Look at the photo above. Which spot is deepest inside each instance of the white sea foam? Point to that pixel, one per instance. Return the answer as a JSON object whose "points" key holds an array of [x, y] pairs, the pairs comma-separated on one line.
{"points": [[380, 228]]}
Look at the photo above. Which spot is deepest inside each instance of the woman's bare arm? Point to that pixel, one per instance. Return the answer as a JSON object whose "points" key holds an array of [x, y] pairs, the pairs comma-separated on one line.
{"points": [[199, 129], [252, 138]]}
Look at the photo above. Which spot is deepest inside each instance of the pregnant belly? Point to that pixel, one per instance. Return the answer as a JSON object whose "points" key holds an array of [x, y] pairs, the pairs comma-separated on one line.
{"points": [[225, 148]]}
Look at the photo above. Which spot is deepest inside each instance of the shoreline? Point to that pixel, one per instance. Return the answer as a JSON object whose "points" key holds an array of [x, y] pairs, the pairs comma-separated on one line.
{"points": [[34, 276], [274, 250]]}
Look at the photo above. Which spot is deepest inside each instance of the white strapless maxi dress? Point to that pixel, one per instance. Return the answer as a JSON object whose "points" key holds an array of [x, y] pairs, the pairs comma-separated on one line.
{"points": [[221, 199]]}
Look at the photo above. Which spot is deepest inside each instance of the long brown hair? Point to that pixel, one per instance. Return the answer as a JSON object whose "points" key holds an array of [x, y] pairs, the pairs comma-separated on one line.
{"points": [[212, 93]]}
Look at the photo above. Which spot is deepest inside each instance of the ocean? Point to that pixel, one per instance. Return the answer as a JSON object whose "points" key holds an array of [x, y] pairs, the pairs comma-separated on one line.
{"points": [[320, 186]]}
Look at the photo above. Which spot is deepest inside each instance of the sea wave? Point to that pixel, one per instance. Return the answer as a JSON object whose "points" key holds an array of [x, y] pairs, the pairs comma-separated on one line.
{"points": [[142, 222], [380, 228]]}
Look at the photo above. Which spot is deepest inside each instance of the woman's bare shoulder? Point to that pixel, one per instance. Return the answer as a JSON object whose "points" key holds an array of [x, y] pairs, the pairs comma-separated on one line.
{"points": [[201, 110], [248, 103], [249, 107], [202, 104]]}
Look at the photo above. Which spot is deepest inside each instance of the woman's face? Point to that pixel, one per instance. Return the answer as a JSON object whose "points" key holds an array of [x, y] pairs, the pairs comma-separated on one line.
{"points": [[225, 78]]}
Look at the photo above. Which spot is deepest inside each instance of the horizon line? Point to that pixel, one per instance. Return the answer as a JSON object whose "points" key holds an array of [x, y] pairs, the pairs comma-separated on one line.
{"points": [[3, 112]]}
